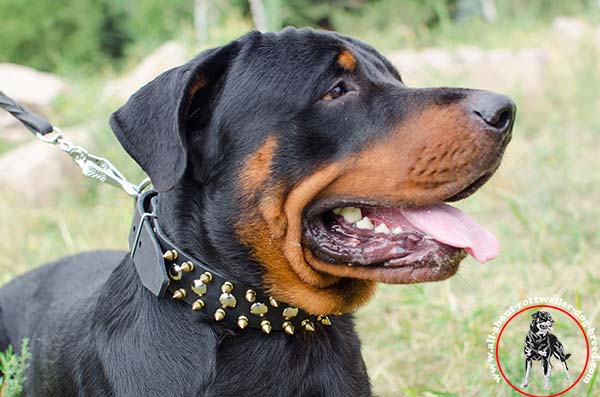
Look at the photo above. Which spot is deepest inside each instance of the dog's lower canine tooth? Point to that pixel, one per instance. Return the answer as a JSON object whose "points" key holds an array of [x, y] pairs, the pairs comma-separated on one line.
{"points": [[365, 224], [351, 214], [382, 228], [397, 230]]}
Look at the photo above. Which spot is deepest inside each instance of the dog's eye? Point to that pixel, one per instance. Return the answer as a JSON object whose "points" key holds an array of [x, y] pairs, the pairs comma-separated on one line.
{"points": [[336, 92]]}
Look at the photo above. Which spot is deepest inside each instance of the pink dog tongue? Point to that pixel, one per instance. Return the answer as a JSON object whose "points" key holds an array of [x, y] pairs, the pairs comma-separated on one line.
{"points": [[453, 227]]}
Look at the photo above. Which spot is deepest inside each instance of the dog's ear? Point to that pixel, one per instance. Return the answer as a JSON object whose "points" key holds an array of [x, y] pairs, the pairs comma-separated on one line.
{"points": [[152, 126], [535, 315]]}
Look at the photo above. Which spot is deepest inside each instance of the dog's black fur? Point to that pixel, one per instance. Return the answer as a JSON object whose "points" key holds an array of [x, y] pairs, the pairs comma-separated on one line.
{"points": [[93, 328], [541, 345]]}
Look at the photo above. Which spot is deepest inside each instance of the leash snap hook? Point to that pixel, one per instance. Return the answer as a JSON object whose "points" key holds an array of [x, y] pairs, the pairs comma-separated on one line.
{"points": [[103, 170], [98, 168]]}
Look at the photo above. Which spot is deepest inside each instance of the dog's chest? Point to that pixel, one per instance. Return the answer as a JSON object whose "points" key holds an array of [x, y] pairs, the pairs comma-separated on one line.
{"points": [[327, 364], [191, 357], [541, 347]]}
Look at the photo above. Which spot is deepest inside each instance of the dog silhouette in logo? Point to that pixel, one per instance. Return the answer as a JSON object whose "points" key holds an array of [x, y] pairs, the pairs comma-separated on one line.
{"points": [[541, 345]]}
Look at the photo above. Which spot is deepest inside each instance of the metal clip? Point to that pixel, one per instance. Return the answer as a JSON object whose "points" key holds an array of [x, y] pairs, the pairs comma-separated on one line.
{"points": [[103, 170], [92, 166], [56, 136]]}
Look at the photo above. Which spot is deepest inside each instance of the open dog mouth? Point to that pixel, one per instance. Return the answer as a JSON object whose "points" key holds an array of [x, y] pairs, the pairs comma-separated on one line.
{"points": [[363, 233]]}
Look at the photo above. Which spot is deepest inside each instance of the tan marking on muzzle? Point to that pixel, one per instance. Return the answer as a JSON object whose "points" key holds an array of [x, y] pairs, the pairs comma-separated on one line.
{"points": [[427, 158]]}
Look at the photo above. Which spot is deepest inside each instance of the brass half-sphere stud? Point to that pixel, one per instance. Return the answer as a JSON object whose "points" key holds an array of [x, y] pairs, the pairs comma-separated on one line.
{"points": [[227, 300], [198, 287], [259, 309], [175, 272], [290, 312]]}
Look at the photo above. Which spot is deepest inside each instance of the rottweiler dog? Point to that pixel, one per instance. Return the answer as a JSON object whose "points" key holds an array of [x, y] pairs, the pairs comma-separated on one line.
{"points": [[541, 345], [292, 171]]}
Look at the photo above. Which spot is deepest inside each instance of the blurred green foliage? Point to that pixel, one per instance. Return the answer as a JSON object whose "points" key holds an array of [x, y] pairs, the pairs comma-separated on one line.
{"points": [[43, 34], [88, 35], [12, 370]]}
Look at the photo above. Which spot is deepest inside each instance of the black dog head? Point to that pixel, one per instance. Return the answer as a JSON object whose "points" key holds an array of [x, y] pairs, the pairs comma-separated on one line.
{"points": [[542, 322], [253, 144]]}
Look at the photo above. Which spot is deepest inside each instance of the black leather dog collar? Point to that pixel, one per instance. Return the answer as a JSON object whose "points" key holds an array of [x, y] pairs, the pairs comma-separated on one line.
{"points": [[163, 267]]}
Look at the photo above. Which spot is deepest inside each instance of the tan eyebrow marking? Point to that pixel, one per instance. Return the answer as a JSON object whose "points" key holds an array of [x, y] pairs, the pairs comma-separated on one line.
{"points": [[346, 60]]}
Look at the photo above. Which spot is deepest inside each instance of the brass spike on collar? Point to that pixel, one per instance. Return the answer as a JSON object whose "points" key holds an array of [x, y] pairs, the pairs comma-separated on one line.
{"points": [[164, 269]]}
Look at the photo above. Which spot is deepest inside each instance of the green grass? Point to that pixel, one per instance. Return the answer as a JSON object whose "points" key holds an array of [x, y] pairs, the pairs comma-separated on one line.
{"points": [[12, 370], [418, 340], [6, 145], [543, 206]]}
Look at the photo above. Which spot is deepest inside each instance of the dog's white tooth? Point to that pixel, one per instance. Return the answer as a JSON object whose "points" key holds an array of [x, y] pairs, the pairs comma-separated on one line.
{"points": [[337, 211], [397, 230], [365, 224], [351, 214], [427, 237], [382, 228]]}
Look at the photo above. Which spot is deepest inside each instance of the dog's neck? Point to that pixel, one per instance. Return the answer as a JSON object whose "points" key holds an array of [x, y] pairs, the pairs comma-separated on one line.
{"points": [[165, 267], [183, 214]]}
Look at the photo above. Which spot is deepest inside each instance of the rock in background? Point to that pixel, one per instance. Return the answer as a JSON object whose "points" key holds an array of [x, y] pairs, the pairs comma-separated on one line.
{"points": [[33, 171], [32, 88], [165, 57], [37, 172]]}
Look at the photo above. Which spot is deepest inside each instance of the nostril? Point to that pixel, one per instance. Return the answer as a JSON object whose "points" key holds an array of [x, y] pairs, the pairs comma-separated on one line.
{"points": [[500, 119], [495, 110]]}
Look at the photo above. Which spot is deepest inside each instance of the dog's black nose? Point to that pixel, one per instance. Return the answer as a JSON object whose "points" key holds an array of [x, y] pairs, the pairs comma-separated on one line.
{"points": [[495, 110]]}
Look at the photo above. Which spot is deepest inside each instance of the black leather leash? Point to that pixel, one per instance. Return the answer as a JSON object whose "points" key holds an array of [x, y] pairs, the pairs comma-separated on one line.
{"points": [[34, 123], [93, 166], [165, 269]]}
